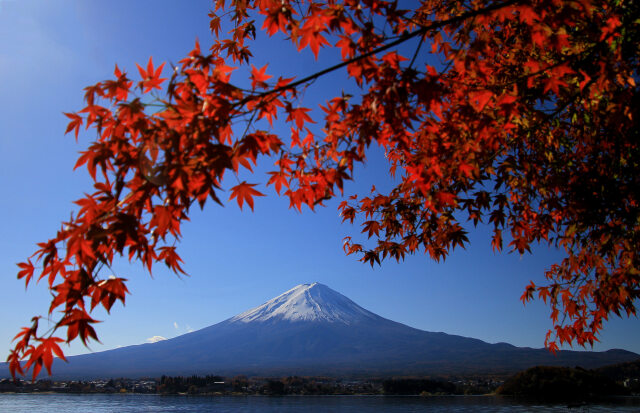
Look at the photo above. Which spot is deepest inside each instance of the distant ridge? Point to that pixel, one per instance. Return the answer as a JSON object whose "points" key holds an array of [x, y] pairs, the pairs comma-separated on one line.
{"points": [[314, 330]]}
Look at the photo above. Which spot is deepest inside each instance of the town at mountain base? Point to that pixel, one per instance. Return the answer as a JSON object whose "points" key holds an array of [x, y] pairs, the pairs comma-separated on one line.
{"points": [[314, 330]]}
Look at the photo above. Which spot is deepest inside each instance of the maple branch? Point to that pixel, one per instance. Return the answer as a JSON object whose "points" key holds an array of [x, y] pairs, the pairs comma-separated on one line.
{"points": [[399, 40], [415, 54]]}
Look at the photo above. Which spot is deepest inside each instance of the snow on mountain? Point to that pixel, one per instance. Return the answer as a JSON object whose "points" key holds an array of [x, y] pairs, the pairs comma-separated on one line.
{"points": [[314, 330], [308, 302]]}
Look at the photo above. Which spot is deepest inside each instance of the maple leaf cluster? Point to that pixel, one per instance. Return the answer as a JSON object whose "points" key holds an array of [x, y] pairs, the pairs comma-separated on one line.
{"points": [[520, 114]]}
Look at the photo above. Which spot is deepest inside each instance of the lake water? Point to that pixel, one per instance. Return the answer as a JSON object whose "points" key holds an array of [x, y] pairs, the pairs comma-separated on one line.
{"points": [[130, 403]]}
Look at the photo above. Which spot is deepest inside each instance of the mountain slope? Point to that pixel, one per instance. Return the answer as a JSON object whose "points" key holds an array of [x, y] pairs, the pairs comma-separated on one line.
{"points": [[308, 302], [313, 330]]}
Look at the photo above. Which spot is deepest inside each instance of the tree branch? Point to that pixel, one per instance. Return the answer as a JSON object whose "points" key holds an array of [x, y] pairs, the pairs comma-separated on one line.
{"points": [[400, 40]]}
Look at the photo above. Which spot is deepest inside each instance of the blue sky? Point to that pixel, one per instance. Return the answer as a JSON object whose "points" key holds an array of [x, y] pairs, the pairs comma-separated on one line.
{"points": [[49, 51]]}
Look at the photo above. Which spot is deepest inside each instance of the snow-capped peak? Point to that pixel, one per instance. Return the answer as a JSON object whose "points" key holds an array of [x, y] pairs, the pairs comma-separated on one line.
{"points": [[308, 302]]}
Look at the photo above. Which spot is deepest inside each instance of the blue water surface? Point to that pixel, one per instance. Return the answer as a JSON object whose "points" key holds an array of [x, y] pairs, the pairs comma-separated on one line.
{"points": [[126, 403]]}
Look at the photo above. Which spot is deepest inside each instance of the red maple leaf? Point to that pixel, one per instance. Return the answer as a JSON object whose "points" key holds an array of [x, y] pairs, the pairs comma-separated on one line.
{"points": [[259, 77], [74, 125], [244, 192], [150, 77]]}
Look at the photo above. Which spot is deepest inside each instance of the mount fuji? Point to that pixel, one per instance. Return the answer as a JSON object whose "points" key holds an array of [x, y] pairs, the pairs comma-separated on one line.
{"points": [[314, 330]]}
